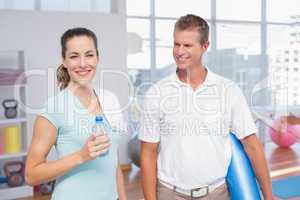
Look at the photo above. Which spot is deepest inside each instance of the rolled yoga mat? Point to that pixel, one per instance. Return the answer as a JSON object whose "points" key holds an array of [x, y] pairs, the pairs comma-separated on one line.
{"points": [[12, 139], [240, 177]]}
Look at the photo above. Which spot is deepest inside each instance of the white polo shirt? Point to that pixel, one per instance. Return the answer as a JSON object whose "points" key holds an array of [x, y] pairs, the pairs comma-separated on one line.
{"points": [[192, 128]]}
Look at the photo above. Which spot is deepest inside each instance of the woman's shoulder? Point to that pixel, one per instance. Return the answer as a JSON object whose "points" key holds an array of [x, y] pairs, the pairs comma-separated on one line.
{"points": [[56, 101], [108, 98]]}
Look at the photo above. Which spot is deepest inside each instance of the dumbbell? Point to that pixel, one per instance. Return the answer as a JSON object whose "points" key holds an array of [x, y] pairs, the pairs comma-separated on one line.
{"points": [[14, 172], [10, 108]]}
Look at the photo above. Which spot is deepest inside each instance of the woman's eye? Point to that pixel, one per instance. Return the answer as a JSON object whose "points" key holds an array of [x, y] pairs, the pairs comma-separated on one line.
{"points": [[90, 55], [73, 57]]}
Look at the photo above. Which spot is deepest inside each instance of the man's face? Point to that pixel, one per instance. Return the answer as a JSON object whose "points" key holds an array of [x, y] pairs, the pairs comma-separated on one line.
{"points": [[187, 50]]}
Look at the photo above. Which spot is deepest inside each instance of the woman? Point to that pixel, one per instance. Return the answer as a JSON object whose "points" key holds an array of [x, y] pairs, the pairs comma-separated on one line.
{"points": [[87, 167]]}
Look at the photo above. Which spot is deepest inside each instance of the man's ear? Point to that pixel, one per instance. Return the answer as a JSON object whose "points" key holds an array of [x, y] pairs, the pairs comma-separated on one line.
{"points": [[206, 45]]}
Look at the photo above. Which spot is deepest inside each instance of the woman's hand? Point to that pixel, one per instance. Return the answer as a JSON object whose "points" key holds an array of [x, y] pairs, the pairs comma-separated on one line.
{"points": [[96, 145]]}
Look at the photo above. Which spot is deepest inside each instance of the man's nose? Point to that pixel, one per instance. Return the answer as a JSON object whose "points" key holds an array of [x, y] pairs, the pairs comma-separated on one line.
{"points": [[180, 50]]}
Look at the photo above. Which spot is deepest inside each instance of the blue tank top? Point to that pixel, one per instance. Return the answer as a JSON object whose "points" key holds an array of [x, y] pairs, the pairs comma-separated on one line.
{"points": [[93, 180]]}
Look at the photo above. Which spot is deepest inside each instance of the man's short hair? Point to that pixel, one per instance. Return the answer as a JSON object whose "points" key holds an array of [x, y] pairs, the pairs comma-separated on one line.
{"points": [[190, 22]]}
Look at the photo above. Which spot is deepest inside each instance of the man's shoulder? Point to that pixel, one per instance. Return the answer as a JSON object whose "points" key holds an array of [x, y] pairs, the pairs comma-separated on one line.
{"points": [[164, 85], [224, 82], [170, 79], [220, 79]]}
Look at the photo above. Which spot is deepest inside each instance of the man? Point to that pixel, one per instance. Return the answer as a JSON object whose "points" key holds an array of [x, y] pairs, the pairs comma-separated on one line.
{"points": [[185, 150]]}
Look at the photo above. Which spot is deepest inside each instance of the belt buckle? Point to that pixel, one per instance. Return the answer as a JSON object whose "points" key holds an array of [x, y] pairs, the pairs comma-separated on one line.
{"points": [[194, 194]]}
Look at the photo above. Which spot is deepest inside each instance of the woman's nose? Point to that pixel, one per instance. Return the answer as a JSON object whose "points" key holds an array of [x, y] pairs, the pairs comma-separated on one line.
{"points": [[82, 62]]}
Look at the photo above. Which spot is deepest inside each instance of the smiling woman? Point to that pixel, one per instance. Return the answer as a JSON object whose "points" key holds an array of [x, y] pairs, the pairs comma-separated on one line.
{"points": [[87, 167], [80, 56]]}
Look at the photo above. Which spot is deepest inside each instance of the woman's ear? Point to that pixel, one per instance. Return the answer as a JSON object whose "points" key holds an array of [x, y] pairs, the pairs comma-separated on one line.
{"points": [[64, 64]]}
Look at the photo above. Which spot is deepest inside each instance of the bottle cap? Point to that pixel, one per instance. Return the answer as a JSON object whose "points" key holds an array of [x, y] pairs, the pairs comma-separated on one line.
{"points": [[99, 119]]}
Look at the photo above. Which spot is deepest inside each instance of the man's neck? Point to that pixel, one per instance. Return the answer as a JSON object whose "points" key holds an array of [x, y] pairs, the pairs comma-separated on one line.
{"points": [[192, 76]]}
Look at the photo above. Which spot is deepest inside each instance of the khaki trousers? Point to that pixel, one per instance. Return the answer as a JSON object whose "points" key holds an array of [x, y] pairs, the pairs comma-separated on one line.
{"points": [[164, 193]]}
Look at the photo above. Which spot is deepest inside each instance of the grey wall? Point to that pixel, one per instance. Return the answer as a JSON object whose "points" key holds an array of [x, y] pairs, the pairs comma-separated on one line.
{"points": [[38, 33]]}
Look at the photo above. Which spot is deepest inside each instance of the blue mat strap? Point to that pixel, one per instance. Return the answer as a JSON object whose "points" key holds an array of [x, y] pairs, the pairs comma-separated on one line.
{"points": [[240, 178]]}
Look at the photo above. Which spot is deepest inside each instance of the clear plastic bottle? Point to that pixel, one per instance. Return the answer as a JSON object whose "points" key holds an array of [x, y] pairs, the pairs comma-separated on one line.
{"points": [[98, 127]]}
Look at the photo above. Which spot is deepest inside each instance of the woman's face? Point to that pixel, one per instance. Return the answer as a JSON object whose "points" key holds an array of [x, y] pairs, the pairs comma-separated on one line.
{"points": [[81, 59]]}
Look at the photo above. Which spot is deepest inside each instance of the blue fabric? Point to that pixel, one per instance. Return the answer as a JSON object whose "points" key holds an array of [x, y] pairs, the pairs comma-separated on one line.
{"points": [[95, 179], [240, 176], [287, 188]]}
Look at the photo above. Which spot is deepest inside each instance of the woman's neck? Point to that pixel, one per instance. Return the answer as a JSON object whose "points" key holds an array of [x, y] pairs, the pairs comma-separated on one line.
{"points": [[80, 89], [87, 97]]}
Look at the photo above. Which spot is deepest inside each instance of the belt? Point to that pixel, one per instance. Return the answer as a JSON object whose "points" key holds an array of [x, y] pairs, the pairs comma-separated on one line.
{"points": [[195, 192]]}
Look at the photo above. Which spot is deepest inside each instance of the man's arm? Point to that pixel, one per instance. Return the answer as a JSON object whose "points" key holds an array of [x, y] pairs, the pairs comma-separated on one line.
{"points": [[255, 152], [148, 166]]}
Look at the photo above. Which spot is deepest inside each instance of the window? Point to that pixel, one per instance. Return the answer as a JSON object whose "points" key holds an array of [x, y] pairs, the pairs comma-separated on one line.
{"points": [[141, 59], [171, 8], [164, 43], [238, 45], [138, 7], [282, 11], [239, 10]]}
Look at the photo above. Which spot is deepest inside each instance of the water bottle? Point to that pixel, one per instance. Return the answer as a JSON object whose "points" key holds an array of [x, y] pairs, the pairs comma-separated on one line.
{"points": [[98, 127]]}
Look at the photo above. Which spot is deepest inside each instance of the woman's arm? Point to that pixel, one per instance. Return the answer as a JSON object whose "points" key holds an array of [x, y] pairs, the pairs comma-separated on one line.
{"points": [[38, 170], [121, 185]]}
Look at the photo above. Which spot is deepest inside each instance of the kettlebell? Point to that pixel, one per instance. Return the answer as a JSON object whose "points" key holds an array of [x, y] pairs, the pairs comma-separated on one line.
{"points": [[14, 172], [10, 108], [47, 188]]}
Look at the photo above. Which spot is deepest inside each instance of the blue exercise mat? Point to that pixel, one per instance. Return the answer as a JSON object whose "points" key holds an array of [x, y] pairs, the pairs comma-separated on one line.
{"points": [[287, 187], [240, 176]]}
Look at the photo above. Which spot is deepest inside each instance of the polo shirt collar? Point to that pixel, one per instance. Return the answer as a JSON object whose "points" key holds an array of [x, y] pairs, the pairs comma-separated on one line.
{"points": [[210, 79]]}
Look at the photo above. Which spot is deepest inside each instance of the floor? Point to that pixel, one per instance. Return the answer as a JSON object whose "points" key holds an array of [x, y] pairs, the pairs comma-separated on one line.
{"points": [[282, 163]]}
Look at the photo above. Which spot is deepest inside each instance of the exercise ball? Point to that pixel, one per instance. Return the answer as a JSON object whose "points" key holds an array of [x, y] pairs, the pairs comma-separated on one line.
{"points": [[284, 134]]}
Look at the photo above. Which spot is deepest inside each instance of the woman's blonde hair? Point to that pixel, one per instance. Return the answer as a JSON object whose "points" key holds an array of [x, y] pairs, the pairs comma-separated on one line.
{"points": [[62, 74]]}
